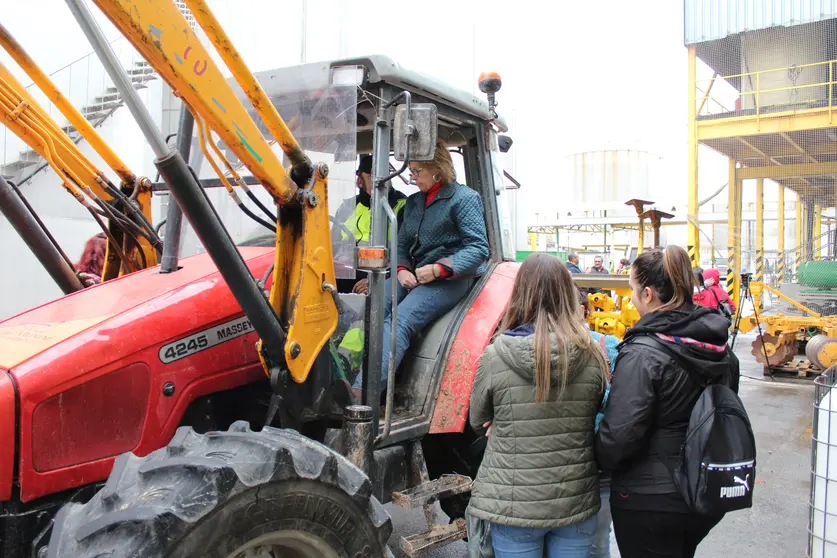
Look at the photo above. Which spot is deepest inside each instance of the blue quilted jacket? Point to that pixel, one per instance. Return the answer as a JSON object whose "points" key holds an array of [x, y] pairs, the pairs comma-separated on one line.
{"points": [[450, 231]]}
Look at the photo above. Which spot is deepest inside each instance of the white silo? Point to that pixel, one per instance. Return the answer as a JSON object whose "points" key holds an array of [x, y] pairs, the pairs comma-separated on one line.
{"points": [[600, 182], [609, 176]]}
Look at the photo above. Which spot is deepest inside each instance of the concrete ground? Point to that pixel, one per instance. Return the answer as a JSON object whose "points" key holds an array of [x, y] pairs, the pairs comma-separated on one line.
{"points": [[776, 526]]}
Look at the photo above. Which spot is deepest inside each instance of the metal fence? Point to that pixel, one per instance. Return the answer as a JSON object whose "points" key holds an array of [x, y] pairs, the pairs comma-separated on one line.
{"points": [[822, 507]]}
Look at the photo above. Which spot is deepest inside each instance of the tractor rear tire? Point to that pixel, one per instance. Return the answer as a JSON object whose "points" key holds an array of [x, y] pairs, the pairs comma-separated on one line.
{"points": [[228, 494]]}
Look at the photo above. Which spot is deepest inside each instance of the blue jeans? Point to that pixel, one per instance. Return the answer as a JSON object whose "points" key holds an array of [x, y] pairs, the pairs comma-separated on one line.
{"points": [[571, 541], [416, 310], [604, 520]]}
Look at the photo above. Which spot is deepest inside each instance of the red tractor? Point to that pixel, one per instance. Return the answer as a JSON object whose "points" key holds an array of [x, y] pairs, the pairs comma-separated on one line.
{"points": [[136, 414]]}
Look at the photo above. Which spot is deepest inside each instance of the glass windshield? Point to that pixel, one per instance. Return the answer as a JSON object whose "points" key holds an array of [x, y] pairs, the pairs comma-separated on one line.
{"points": [[324, 123]]}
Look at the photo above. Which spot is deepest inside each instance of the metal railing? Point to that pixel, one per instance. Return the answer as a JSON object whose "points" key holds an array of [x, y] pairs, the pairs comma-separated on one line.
{"points": [[87, 86], [756, 93]]}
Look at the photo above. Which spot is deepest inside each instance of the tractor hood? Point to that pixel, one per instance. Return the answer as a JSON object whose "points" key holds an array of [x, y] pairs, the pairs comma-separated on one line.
{"points": [[111, 368], [45, 327]]}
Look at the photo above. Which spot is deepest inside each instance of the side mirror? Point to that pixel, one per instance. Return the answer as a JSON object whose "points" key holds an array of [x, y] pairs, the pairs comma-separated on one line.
{"points": [[414, 132], [504, 143]]}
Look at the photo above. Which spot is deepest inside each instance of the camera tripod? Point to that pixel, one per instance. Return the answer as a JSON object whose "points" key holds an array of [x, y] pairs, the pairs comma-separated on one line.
{"points": [[746, 294]]}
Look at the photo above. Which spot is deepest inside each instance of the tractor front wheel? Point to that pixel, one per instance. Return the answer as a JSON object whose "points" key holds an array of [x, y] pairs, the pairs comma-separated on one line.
{"points": [[233, 494]]}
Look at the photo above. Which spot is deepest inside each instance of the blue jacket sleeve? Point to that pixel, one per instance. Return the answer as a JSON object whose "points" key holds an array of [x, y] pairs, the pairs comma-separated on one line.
{"points": [[470, 221], [405, 236]]}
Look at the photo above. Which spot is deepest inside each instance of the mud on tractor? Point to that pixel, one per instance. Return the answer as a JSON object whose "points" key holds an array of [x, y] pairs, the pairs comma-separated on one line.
{"points": [[196, 412]]}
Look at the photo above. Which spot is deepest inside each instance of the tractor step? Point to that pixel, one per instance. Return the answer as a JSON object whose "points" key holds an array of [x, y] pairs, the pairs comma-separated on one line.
{"points": [[431, 491], [438, 535]]}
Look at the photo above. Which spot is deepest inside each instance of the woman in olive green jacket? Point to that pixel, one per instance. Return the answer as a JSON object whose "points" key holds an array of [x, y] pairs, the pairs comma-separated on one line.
{"points": [[539, 386]]}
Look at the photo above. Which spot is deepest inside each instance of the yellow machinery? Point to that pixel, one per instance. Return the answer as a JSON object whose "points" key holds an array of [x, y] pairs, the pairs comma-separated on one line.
{"points": [[781, 335], [133, 242], [605, 314], [304, 260]]}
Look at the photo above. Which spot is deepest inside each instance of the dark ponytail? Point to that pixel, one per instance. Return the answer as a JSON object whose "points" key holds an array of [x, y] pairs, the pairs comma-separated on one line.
{"points": [[669, 272]]}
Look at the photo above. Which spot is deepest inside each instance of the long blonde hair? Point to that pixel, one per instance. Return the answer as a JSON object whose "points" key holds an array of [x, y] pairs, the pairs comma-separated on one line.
{"points": [[544, 296]]}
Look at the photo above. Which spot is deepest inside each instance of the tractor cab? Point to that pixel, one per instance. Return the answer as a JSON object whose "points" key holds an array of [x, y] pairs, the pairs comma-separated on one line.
{"points": [[337, 111]]}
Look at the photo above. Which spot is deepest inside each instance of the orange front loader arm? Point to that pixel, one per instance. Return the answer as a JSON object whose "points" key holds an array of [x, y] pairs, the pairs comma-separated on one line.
{"points": [[24, 116]]}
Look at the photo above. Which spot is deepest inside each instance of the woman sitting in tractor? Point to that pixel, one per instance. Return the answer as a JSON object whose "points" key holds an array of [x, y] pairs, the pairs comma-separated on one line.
{"points": [[442, 246]]}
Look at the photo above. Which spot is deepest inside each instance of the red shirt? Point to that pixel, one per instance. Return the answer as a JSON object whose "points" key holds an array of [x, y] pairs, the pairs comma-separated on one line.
{"points": [[431, 193], [442, 272]]}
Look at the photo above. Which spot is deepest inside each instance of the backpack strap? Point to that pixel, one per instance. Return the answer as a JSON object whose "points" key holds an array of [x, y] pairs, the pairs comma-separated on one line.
{"points": [[714, 294], [652, 341]]}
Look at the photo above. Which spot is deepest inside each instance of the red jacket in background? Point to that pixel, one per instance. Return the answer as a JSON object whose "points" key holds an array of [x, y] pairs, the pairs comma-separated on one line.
{"points": [[706, 297]]}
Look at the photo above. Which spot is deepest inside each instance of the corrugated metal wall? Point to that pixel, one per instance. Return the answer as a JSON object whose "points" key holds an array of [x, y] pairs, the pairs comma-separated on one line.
{"points": [[708, 20]]}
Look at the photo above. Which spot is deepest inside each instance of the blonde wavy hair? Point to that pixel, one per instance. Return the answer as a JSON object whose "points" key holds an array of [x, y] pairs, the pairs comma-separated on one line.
{"points": [[442, 164]]}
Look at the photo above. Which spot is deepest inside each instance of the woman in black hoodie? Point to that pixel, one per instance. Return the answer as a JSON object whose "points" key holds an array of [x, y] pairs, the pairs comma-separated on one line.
{"points": [[652, 396]]}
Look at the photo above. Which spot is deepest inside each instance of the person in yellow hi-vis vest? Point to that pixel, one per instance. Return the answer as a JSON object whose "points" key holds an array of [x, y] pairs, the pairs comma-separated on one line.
{"points": [[354, 217]]}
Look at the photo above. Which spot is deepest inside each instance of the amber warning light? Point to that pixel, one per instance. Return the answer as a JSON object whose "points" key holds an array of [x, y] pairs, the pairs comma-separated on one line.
{"points": [[490, 84]]}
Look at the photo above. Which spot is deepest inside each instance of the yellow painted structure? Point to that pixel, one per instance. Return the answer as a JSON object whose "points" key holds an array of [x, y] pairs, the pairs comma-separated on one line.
{"points": [[733, 234], [693, 242], [776, 131], [780, 262], [798, 255]]}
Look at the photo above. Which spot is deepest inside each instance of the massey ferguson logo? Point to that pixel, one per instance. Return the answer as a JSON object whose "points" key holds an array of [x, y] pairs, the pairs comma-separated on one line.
{"points": [[741, 488]]}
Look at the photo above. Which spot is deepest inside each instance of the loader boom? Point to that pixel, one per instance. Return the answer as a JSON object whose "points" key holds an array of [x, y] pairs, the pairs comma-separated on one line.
{"points": [[303, 274], [24, 116]]}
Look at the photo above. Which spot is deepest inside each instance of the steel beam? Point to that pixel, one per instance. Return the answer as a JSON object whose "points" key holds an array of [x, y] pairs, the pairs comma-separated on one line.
{"points": [[759, 271], [732, 127], [798, 226], [787, 171], [780, 262], [693, 242], [733, 233], [174, 215], [604, 282], [641, 237], [817, 233]]}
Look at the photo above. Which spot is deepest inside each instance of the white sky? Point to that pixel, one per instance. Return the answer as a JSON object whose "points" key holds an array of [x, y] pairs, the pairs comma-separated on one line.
{"points": [[577, 76]]}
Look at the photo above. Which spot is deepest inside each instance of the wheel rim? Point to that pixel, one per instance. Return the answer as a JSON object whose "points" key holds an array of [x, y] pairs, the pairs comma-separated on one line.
{"points": [[285, 544]]}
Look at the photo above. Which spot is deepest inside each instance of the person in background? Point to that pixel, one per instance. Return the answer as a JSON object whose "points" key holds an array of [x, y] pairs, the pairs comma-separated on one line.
{"points": [[652, 396], [354, 214], [538, 387], [442, 247], [572, 266], [624, 267], [710, 292], [92, 260], [598, 267], [572, 263]]}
